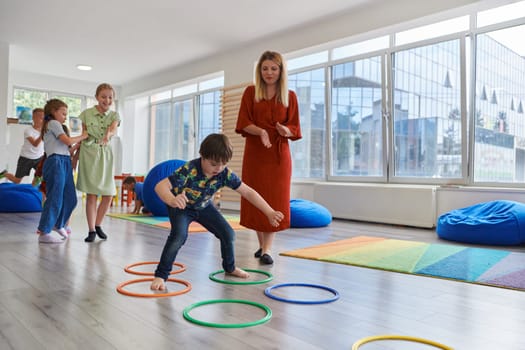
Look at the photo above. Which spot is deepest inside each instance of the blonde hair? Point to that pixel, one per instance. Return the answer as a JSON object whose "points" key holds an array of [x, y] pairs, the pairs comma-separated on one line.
{"points": [[104, 86], [282, 83]]}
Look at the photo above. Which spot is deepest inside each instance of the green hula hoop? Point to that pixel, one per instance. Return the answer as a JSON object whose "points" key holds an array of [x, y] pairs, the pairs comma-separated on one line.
{"points": [[186, 314], [269, 275]]}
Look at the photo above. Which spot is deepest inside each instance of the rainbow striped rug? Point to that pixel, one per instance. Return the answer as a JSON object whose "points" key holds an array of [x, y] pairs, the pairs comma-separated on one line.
{"points": [[492, 267], [164, 222]]}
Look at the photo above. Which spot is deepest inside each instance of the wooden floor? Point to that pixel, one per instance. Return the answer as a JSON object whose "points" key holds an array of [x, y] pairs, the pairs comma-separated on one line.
{"points": [[64, 296]]}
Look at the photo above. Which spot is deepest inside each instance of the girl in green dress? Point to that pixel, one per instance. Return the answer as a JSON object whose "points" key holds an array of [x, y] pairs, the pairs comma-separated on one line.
{"points": [[95, 168]]}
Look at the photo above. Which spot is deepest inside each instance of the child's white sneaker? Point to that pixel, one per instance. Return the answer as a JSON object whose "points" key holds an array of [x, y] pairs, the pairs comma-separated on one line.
{"points": [[62, 232], [48, 238]]}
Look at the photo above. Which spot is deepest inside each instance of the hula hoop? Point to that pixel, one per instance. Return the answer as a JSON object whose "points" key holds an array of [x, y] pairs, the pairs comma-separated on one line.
{"points": [[186, 314], [335, 293], [269, 275], [129, 270], [360, 342], [121, 290]]}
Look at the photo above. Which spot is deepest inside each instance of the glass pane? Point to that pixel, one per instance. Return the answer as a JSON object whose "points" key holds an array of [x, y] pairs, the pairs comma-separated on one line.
{"points": [[209, 114], [427, 118], [308, 60], [501, 14], [433, 30], [183, 131], [308, 154], [159, 96], [185, 90], [499, 148], [357, 128], [162, 132], [211, 84], [361, 47], [24, 101]]}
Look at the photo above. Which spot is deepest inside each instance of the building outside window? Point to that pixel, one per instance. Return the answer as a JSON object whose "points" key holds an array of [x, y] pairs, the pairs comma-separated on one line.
{"points": [[442, 103], [209, 111], [308, 153], [499, 148], [427, 140], [444, 124], [356, 118]]}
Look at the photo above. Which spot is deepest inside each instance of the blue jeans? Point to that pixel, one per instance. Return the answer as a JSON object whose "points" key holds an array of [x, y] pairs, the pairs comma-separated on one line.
{"points": [[61, 196], [180, 220]]}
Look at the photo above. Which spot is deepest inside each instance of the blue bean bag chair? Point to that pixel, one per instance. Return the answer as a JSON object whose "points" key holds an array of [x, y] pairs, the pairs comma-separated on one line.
{"points": [[305, 213], [19, 198], [499, 222], [154, 176]]}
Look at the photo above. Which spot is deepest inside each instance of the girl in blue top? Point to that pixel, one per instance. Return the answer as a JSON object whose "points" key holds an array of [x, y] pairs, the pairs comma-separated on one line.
{"points": [[61, 197], [188, 193]]}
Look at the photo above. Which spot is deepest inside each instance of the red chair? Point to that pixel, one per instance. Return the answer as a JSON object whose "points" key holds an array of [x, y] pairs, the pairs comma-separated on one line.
{"points": [[127, 196]]}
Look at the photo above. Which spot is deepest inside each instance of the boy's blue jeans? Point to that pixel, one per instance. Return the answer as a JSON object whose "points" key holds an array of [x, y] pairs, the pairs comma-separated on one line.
{"points": [[180, 220], [61, 195]]}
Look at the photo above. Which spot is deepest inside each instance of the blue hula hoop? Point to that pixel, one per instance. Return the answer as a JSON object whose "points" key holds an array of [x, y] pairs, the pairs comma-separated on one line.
{"points": [[268, 292]]}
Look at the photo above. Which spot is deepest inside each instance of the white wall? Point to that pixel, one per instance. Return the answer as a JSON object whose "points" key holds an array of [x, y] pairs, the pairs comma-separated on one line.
{"points": [[454, 197], [4, 96], [15, 139]]}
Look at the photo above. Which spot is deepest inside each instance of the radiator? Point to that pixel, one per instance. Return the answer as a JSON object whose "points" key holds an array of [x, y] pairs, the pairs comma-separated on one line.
{"points": [[410, 205]]}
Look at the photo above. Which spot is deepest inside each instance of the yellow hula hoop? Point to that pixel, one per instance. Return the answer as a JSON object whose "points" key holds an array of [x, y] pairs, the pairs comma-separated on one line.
{"points": [[365, 340]]}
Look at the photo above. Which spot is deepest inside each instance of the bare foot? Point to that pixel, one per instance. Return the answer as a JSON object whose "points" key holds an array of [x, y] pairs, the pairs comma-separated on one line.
{"points": [[157, 284], [239, 273]]}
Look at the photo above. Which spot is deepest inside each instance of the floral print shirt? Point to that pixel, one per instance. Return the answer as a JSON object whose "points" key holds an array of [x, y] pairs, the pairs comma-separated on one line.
{"points": [[199, 189]]}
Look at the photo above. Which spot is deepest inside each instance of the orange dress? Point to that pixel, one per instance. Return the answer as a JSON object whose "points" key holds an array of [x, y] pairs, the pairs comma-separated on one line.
{"points": [[267, 170]]}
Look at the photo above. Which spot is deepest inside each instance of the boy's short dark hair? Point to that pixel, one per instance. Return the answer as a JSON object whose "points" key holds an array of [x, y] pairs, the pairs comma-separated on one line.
{"points": [[129, 180], [216, 147]]}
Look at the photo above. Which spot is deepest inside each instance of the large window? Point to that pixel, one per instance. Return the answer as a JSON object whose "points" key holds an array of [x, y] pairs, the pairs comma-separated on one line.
{"points": [[25, 100], [184, 134], [499, 148], [356, 118], [161, 125], [308, 153], [441, 103], [405, 107], [182, 117], [173, 130], [427, 140], [209, 114]]}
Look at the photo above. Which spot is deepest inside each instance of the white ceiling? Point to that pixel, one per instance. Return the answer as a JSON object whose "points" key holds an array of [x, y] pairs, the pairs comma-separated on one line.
{"points": [[127, 39]]}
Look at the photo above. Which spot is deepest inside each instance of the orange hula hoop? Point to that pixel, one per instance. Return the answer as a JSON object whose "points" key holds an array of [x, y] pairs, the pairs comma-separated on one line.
{"points": [[121, 290], [129, 270]]}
